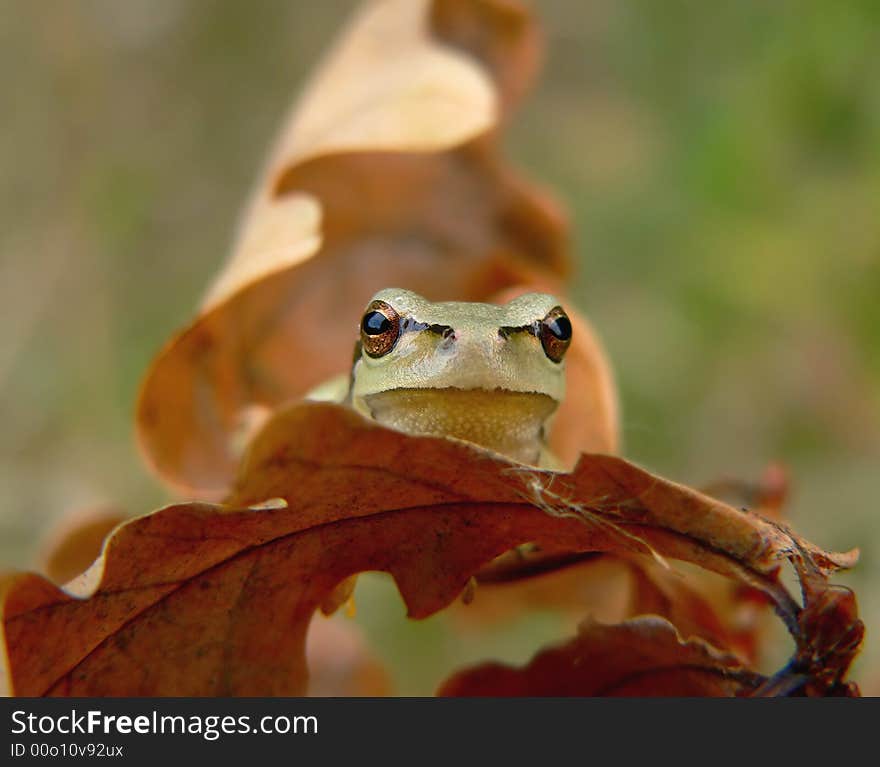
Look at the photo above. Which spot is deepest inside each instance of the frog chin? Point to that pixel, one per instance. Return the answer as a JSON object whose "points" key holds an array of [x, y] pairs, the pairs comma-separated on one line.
{"points": [[508, 422]]}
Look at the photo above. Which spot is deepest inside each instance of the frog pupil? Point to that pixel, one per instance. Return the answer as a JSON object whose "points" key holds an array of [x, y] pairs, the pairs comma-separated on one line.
{"points": [[560, 327], [375, 323]]}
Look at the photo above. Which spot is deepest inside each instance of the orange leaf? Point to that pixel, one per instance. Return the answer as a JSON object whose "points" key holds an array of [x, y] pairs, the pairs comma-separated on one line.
{"points": [[207, 600], [77, 542], [614, 588], [386, 173], [641, 657]]}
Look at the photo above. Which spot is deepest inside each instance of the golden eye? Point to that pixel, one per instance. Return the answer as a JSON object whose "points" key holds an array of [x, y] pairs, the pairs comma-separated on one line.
{"points": [[380, 328], [555, 333]]}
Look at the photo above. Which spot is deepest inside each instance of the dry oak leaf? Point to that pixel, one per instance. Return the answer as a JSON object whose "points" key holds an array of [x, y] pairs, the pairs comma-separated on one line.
{"points": [[727, 613], [340, 661], [615, 588], [642, 657], [77, 541], [199, 599], [386, 173]]}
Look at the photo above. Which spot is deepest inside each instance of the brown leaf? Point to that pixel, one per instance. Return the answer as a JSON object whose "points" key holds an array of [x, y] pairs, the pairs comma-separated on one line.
{"points": [[641, 657], [340, 663], [831, 634], [387, 173], [198, 599], [612, 588], [594, 583], [77, 542], [679, 595], [501, 34]]}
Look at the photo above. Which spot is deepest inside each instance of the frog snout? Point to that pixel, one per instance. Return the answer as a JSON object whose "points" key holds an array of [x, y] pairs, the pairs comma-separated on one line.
{"points": [[471, 351]]}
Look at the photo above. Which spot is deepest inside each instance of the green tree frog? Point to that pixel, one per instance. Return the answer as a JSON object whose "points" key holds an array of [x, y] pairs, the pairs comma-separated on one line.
{"points": [[488, 374]]}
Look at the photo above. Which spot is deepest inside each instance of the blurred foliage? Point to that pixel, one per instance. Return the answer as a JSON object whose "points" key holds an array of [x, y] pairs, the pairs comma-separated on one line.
{"points": [[721, 163]]}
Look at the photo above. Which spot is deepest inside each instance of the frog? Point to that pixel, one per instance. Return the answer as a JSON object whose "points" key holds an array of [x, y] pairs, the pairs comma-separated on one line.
{"points": [[492, 375]]}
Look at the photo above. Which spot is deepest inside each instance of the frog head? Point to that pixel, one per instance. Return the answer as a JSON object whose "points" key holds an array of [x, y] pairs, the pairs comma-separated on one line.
{"points": [[489, 374]]}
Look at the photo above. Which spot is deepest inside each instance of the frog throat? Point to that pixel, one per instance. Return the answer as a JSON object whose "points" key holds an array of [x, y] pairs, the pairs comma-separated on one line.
{"points": [[511, 423]]}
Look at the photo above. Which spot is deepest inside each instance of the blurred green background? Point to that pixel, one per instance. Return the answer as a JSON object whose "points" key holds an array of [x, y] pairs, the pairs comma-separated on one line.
{"points": [[721, 164]]}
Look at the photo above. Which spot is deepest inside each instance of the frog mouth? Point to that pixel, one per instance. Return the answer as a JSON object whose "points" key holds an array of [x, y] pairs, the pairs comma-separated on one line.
{"points": [[509, 422]]}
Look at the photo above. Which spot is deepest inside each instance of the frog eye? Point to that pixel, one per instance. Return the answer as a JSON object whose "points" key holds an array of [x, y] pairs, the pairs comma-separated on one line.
{"points": [[380, 327], [555, 334]]}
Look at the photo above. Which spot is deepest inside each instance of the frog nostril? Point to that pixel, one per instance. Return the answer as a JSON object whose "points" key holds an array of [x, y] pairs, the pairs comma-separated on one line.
{"points": [[446, 332]]}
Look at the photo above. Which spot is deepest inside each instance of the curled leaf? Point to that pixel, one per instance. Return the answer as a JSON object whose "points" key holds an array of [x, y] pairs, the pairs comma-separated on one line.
{"points": [[198, 599], [641, 657], [77, 542], [387, 173], [614, 588]]}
